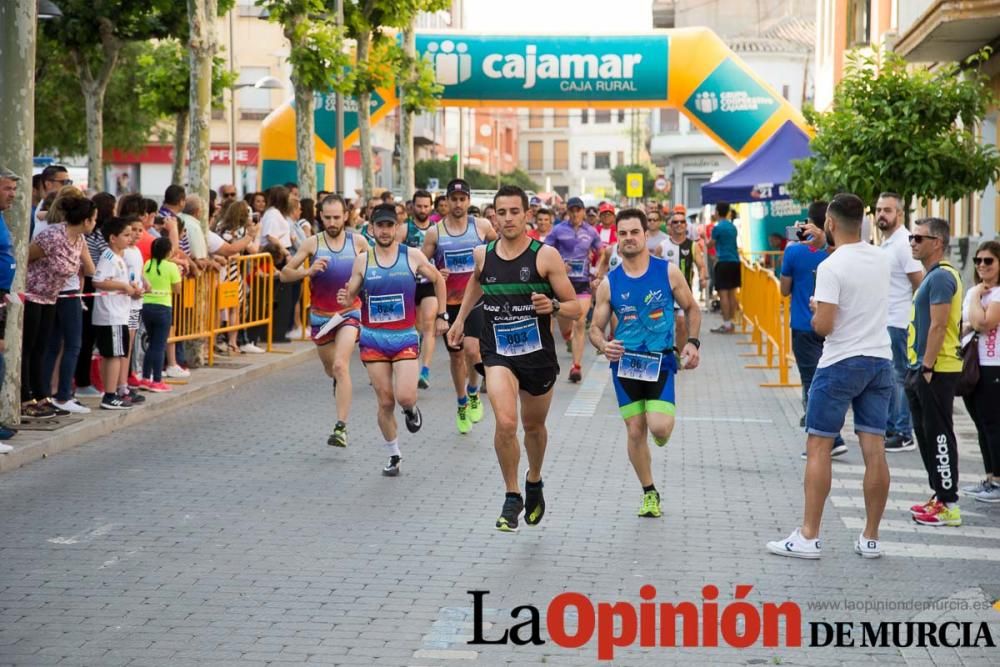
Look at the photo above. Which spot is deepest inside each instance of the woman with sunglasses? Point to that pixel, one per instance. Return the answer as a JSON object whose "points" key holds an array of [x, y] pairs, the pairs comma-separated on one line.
{"points": [[981, 313]]}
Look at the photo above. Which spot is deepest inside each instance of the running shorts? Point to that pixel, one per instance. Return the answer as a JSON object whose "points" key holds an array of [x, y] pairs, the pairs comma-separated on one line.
{"points": [[535, 380], [424, 290], [727, 275], [473, 323], [582, 289], [636, 397], [112, 340], [352, 318], [389, 344]]}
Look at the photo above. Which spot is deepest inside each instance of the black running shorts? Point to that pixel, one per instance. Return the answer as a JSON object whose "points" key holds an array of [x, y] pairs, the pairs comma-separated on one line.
{"points": [[473, 323], [535, 380]]}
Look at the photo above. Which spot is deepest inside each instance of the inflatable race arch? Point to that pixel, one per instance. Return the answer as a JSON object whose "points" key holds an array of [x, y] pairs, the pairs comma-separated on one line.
{"points": [[689, 69]]}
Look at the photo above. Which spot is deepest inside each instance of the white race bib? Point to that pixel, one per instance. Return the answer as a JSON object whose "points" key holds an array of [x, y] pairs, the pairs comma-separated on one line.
{"points": [[386, 308], [642, 366], [516, 338], [459, 261], [577, 268]]}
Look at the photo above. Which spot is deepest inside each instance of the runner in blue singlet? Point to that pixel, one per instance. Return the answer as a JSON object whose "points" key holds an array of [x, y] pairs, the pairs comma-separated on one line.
{"points": [[641, 293]]}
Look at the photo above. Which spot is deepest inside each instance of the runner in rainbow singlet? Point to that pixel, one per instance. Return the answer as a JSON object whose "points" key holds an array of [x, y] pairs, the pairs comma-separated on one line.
{"points": [[332, 255], [386, 276], [450, 244], [641, 292]]}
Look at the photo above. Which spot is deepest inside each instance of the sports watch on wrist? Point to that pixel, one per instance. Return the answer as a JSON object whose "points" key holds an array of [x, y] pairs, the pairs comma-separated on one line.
{"points": [[695, 342], [444, 316], [556, 305]]}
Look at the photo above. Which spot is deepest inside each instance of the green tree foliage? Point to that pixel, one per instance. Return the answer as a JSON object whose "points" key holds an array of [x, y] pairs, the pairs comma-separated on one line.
{"points": [[380, 61], [318, 64], [60, 118], [620, 175], [91, 35], [165, 71], [901, 130], [444, 171]]}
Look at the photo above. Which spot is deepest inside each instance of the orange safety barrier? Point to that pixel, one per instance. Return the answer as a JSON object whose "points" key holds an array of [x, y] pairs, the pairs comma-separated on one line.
{"points": [[193, 310], [245, 286], [766, 312]]}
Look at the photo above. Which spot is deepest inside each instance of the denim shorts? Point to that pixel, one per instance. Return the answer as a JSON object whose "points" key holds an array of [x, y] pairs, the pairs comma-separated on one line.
{"points": [[863, 383]]}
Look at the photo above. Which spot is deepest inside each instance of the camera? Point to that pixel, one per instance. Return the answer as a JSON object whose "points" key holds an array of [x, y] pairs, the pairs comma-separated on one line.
{"points": [[796, 232]]}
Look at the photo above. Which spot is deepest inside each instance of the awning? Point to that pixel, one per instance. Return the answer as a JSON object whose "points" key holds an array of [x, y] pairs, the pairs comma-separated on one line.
{"points": [[763, 175]]}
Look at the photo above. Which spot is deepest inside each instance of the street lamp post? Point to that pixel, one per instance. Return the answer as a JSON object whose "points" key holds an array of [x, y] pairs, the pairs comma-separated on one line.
{"points": [[265, 83]]}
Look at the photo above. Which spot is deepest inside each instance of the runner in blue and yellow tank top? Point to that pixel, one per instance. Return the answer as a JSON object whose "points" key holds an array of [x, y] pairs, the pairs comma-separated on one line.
{"points": [[386, 278], [331, 256], [450, 243], [641, 293]]}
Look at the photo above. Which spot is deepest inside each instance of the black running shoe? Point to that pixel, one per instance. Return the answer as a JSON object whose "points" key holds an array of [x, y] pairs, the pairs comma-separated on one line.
{"points": [[339, 436], [512, 507], [414, 420], [534, 502], [391, 468], [136, 396]]}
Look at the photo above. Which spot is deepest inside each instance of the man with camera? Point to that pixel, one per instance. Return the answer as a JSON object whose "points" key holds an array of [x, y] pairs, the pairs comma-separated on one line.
{"points": [[798, 280]]}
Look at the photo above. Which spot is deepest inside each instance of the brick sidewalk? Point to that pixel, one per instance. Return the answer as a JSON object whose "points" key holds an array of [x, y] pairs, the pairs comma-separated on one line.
{"points": [[235, 536]]}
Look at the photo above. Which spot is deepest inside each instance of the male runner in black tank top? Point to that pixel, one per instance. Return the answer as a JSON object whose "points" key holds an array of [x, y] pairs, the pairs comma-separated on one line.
{"points": [[522, 282]]}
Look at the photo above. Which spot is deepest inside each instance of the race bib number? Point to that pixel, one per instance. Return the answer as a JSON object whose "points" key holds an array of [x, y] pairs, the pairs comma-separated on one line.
{"points": [[517, 338], [577, 268], [459, 261], [640, 366], [386, 308]]}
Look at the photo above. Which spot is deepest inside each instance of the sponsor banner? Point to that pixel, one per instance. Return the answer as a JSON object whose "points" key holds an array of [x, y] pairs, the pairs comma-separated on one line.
{"points": [[562, 69]]}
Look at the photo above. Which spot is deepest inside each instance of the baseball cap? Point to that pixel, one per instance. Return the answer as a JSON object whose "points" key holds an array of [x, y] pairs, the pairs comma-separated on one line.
{"points": [[535, 201], [680, 209], [383, 213], [458, 185], [7, 174], [574, 202], [606, 207]]}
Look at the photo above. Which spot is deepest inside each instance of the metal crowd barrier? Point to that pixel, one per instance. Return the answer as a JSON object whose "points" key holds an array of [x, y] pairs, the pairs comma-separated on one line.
{"points": [[765, 317], [246, 283]]}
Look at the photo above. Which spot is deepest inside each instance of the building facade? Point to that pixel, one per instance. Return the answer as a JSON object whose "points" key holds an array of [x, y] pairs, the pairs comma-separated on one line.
{"points": [[572, 151]]}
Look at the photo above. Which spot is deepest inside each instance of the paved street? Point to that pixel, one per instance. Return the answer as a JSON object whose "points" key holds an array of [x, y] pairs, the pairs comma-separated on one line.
{"points": [[229, 533]]}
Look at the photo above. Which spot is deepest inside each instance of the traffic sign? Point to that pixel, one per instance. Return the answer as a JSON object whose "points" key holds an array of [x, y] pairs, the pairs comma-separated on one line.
{"points": [[633, 184], [661, 184], [433, 184]]}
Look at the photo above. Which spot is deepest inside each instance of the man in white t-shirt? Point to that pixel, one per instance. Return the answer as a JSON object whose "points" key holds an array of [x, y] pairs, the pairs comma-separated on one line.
{"points": [[855, 370], [905, 274]]}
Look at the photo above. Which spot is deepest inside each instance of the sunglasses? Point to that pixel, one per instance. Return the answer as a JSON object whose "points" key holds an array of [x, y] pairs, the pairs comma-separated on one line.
{"points": [[985, 261], [62, 182], [920, 238]]}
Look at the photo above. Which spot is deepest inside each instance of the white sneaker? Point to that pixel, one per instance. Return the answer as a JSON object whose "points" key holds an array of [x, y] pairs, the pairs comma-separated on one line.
{"points": [[295, 333], [867, 548], [176, 372], [795, 546], [250, 348], [89, 391], [5, 449], [72, 405]]}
